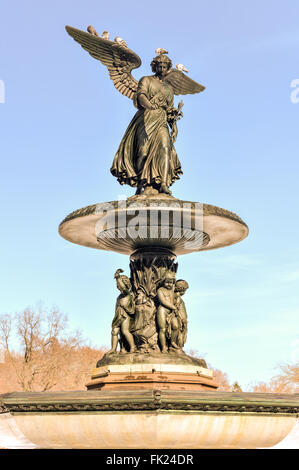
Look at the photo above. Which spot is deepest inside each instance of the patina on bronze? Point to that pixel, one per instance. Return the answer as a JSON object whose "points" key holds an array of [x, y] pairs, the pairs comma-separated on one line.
{"points": [[153, 395], [150, 315], [150, 323], [146, 157]]}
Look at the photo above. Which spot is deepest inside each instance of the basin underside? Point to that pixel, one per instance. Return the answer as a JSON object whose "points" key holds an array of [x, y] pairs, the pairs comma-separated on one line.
{"points": [[145, 419], [180, 226]]}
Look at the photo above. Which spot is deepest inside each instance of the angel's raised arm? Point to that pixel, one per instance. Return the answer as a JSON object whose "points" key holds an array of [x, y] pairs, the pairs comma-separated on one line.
{"points": [[119, 60]]}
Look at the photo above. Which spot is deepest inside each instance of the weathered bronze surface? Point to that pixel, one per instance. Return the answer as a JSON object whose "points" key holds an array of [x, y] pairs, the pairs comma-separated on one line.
{"points": [[146, 157], [124, 313], [150, 323], [217, 227], [152, 357], [150, 314]]}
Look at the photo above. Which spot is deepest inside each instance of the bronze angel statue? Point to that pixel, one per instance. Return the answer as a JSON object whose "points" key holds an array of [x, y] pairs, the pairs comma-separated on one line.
{"points": [[146, 157]]}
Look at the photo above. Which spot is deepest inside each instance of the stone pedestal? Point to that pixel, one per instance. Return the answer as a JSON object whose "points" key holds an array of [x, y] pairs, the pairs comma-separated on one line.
{"points": [[152, 377]]}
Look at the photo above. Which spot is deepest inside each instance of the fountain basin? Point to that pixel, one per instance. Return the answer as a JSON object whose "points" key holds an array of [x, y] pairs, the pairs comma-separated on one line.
{"points": [[146, 419]]}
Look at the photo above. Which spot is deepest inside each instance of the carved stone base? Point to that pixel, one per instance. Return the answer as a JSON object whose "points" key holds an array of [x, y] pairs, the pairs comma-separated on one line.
{"points": [[152, 377]]}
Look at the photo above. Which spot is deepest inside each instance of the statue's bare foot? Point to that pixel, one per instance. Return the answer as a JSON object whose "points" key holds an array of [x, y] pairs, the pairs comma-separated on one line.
{"points": [[180, 351], [164, 350], [112, 351], [164, 189], [175, 346]]}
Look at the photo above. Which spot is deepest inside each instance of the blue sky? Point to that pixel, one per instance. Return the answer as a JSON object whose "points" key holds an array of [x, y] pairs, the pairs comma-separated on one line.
{"points": [[61, 124]]}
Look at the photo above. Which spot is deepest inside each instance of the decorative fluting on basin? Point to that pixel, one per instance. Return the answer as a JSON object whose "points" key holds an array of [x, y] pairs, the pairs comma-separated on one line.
{"points": [[181, 226]]}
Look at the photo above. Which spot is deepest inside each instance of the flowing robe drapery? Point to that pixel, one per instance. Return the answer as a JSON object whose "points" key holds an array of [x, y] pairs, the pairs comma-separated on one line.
{"points": [[146, 144]]}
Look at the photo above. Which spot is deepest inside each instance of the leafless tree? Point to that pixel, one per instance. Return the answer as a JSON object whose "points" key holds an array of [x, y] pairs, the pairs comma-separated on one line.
{"points": [[286, 381], [221, 378], [49, 357]]}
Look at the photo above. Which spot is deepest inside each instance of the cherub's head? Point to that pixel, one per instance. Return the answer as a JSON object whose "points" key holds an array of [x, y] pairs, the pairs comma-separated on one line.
{"points": [[161, 64], [123, 283], [181, 286], [168, 281]]}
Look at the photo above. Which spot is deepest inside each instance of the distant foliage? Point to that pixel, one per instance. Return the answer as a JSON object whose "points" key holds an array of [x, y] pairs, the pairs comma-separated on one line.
{"points": [[236, 387], [222, 380], [48, 358], [220, 377], [286, 381]]}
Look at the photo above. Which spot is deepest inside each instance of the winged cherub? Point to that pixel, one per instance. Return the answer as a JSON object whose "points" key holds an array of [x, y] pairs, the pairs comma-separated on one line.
{"points": [[146, 157]]}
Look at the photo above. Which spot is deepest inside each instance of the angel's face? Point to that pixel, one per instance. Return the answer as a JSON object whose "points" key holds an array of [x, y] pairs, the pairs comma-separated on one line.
{"points": [[161, 69]]}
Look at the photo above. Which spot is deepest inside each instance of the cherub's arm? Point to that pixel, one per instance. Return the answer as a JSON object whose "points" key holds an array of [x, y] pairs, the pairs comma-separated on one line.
{"points": [[128, 304], [163, 300], [177, 299]]}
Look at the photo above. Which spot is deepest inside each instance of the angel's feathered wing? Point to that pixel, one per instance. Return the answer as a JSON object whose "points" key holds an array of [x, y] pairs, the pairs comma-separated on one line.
{"points": [[119, 60], [181, 84]]}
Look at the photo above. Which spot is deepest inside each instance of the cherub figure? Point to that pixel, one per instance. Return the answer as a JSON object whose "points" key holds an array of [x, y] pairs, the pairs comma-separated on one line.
{"points": [[144, 328], [146, 157], [166, 300], [124, 313], [179, 320]]}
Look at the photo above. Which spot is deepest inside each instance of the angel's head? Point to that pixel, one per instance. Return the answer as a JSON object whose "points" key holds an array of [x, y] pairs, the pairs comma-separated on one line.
{"points": [[161, 64]]}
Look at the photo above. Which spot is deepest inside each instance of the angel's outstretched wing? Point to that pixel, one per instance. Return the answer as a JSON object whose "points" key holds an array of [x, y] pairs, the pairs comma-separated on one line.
{"points": [[181, 84], [119, 60]]}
